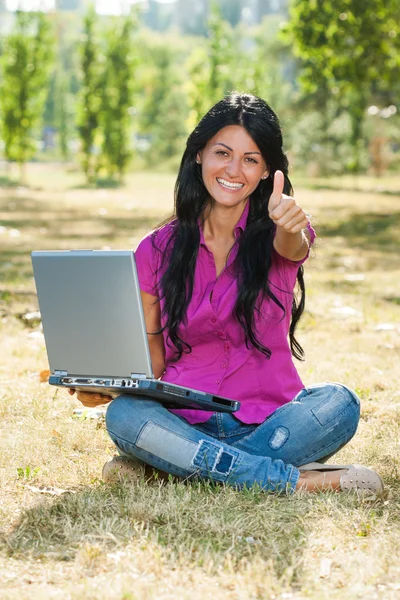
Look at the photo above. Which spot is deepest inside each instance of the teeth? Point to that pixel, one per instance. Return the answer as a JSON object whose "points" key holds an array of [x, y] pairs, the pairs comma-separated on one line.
{"points": [[229, 184]]}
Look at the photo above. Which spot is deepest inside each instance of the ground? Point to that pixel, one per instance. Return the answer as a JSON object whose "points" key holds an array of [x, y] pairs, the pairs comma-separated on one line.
{"points": [[65, 534]]}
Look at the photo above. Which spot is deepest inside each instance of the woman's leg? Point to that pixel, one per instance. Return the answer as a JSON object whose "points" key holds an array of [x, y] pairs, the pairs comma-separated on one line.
{"points": [[314, 426], [146, 430]]}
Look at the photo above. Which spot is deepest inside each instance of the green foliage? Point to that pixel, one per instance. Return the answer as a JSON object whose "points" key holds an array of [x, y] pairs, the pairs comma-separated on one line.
{"points": [[198, 84], [163, 111], [272, 65], [90, 97], [26, 61], [349, 50], [105, 101], [126, 83], [220, 55], [320, 142], [117, 87], [27, 472], [63, 113], [212, 67], [60, 109]]}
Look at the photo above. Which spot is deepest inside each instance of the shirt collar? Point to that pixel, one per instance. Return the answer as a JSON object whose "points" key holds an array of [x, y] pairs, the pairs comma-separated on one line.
{"points": [[239, 227]]}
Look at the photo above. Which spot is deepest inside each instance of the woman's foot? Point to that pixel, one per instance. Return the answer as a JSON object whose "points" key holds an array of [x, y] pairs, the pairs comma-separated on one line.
{"points": [[123, 468], [344, 478], [120, 467]]}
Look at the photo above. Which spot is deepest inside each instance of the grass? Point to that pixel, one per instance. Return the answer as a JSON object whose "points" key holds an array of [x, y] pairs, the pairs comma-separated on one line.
{"points": [[195, 541]]}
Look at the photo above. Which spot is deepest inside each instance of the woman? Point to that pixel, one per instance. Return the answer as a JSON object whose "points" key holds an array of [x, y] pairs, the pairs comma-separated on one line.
{"points": [[217, 285]]}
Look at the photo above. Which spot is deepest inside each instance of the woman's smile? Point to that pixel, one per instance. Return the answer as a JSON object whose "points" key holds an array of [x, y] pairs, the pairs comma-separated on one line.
{"points": [[229, 185]]}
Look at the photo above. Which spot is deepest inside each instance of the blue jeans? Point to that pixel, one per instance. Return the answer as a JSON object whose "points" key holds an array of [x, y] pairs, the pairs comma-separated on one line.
{"points": [[316, 424]]}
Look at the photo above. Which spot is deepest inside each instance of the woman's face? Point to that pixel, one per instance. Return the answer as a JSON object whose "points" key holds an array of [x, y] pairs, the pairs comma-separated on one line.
{"points": [[232, 166]]}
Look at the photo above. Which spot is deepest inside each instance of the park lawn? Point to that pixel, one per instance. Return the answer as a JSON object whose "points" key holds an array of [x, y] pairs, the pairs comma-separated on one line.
{"points": [[174, 540]]}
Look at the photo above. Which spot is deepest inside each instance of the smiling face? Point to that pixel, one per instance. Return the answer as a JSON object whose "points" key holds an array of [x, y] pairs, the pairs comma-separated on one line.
{"points": [[232, 166]]}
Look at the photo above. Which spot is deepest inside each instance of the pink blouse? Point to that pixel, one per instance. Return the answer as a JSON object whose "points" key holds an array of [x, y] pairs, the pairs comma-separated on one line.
{"points": [[220, 363]]}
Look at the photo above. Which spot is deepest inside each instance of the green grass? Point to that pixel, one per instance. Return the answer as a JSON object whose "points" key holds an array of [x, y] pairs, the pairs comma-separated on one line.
{"points": [[154, 539]]}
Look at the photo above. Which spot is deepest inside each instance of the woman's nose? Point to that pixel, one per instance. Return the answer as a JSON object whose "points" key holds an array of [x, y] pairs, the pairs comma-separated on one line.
{"points": [[233, 168]]}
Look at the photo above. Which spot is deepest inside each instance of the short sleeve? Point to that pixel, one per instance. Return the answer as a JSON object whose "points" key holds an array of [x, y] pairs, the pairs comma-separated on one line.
{"points": [[146, 264], [312, 233]]}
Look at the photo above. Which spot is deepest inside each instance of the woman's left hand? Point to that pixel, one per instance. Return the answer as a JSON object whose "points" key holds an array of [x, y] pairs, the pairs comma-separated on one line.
{"points": [[284, 210]]}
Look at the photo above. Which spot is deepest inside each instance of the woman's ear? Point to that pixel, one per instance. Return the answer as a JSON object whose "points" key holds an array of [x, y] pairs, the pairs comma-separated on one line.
{"points": [[265, 175], [198, 158]]}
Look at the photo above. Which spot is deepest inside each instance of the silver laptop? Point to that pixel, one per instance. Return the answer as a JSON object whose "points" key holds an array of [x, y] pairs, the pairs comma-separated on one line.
{"points": [[95, 331]]}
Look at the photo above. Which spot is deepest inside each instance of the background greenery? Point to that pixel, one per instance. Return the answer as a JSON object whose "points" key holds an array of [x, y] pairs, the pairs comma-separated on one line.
{"points": [[112, 93]]}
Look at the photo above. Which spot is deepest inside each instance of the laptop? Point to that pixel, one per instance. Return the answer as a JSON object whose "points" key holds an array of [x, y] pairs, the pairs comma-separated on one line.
{"points": [[95, 332]]}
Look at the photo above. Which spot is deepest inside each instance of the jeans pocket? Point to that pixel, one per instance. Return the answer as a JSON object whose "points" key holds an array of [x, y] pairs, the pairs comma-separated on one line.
{"points": [[332, 406]]}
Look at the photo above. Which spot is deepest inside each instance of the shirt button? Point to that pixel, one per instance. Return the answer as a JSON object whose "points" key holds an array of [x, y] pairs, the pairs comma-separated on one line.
{"points": [[224, 365], [221, 334], [213, 320], [226, 346], [218, 381]]}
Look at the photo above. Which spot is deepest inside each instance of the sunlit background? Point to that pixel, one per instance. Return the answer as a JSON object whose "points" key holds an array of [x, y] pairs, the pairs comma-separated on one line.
{"points": [[330, 71]]}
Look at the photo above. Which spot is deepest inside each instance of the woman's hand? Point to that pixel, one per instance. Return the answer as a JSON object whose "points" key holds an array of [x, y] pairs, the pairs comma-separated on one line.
{"points": [[291, 239], [284, 210], [91, 399]]}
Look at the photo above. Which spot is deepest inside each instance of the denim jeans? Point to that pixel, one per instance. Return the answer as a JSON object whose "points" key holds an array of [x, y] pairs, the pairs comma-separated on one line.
{"points": [[312, 427]]}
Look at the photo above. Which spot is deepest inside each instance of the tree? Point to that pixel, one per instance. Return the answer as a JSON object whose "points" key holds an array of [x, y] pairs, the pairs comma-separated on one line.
{"points": [[63, 113], [163, 114], [90, 96], [59, 114], [117, 87], [269, 73], [212, 69], [349, 49], [26, 61], [220, 55]]}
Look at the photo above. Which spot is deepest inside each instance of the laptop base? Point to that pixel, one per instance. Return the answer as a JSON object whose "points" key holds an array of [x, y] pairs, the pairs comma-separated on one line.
{"points": [[168, 394]]}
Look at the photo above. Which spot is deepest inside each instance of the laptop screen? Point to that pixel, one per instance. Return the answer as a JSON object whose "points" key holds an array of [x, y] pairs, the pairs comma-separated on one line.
{"points": [[92, 313]]}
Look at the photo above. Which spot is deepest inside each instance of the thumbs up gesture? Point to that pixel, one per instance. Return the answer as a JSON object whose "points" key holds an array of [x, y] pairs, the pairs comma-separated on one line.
{"points": [[284, 210]]}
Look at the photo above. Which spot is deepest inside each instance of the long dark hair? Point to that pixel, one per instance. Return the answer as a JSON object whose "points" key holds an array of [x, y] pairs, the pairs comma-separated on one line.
{"points": [[254, 255]]}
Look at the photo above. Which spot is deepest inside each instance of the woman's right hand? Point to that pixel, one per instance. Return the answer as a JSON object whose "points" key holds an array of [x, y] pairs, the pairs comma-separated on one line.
{"points": [[90, 399]]}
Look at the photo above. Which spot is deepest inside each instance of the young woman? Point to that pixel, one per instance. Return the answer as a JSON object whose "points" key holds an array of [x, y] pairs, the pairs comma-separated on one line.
{"points": [[217, 285]]}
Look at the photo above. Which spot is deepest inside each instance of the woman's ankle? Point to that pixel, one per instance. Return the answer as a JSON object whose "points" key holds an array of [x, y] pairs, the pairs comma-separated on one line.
{"points": [[320, 481]]}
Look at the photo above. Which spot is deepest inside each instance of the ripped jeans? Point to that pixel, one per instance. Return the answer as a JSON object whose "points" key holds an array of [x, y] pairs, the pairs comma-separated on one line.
{"points": [[312, 427]]}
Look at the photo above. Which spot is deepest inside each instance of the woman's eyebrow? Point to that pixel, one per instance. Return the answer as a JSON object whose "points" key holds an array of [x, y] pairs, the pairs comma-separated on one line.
{"points": [[228, 148]]}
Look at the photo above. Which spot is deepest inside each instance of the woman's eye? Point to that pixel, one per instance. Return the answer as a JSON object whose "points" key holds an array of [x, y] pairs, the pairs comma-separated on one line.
{"points": [[221, 153], [251, 160]]}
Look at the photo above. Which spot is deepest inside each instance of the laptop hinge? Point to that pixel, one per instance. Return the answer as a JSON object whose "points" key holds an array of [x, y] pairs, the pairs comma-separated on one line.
{"points": [[61, 373], [138, 375]]}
